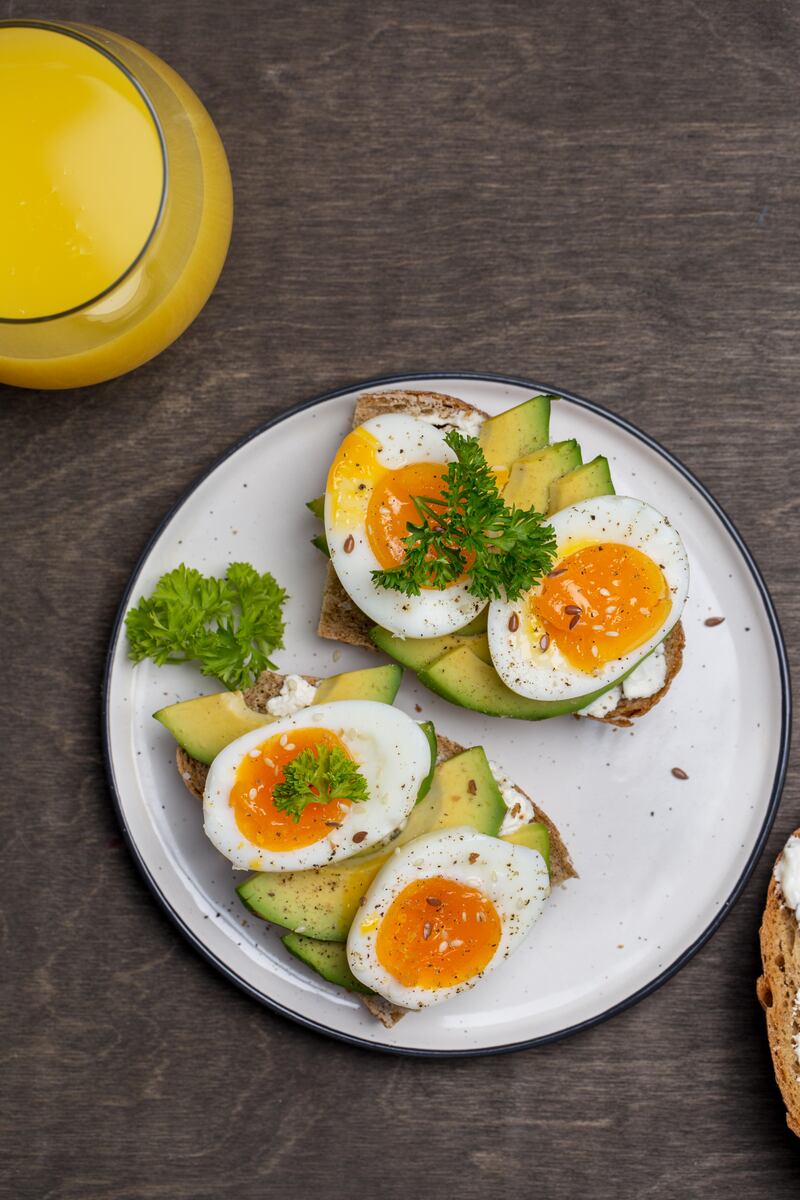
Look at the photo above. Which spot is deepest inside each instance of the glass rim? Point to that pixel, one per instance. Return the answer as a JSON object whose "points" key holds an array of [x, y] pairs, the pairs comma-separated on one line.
{"points": [[78, 35]]}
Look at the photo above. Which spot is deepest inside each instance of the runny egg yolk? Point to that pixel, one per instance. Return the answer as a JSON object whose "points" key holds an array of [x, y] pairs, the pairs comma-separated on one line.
{"points": [[258, 774], [602, 602], [391, 507], [438, 933]]}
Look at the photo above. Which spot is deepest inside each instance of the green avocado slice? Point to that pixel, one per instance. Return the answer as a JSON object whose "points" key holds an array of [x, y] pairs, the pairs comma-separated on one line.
{"points": [[516, 432], [418, 653], [531, 477], [206, 725], [328, 959], [584, 483], [465, 679]]}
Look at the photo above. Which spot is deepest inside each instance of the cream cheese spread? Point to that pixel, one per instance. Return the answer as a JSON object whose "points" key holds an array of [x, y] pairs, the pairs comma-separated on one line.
{"points": [[295, 694]]}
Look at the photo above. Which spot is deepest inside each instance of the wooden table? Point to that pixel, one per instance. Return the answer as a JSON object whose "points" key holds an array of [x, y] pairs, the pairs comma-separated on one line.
{"points": [[603, 196]]}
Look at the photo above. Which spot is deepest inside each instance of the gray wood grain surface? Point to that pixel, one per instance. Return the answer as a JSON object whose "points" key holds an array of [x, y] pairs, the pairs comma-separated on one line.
{"points": [[605, 196]]}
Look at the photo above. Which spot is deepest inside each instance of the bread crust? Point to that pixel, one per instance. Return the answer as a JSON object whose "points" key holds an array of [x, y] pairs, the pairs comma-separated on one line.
{"points": [[778, 991], [342, 621], [269, 684]]}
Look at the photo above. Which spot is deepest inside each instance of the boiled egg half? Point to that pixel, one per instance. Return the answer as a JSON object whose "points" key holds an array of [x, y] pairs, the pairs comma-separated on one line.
{"points": [[616, 589], [377, 471], [445, 910], [239, 812]]}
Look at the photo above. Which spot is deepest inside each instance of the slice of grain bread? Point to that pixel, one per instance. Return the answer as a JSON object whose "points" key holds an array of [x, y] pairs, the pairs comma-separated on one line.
{"points": [[269, 684], [778, 990], [342, 621]]}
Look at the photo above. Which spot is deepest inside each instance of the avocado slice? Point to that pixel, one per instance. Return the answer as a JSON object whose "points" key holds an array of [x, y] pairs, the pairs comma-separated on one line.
{"points": [[418, 653], [516, 432], [322, 903], [531, 477], [206, 725], [375, 683], [328, 959], [534, 836], [465, 679], [584, 483]]}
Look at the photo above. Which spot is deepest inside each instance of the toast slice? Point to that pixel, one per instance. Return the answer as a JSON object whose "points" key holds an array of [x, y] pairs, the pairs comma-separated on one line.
{"points": [[269, 684], [342, 621], [778, 991]]}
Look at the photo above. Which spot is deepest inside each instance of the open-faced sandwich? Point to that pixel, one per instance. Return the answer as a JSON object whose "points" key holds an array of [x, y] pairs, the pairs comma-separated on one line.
{"points": [[779, 987], [497, 565], [402, 866]]}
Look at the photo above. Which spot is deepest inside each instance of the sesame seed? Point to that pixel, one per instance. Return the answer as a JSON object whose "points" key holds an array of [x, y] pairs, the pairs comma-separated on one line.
{"points": [[442, 947], [513, 623]]}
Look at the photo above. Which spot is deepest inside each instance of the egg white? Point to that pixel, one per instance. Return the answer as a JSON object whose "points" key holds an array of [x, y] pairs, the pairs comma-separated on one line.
{"points": [[514, 878], [403, 440], [391, 750], [547, 675]]}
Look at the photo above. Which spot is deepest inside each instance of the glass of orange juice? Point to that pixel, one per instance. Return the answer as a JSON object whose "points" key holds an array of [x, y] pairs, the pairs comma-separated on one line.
{"points": [[115, 205]]}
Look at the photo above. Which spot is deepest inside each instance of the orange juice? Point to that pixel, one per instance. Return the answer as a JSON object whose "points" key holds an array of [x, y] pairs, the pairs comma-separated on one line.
{"points": [[115, 205]]}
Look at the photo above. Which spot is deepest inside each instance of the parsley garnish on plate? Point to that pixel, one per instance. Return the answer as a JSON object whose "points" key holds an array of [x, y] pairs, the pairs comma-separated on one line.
{"points": [[317, 776], [228, 626], [470, 531]]}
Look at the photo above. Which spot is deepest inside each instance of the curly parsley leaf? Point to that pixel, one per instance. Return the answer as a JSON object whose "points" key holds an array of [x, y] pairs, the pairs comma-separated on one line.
{"points": [[317, 776], [228, 626], [470, 531]]}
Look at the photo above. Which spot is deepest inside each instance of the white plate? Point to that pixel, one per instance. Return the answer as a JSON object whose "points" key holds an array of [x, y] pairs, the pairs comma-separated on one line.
{"points": [[660, 860]]}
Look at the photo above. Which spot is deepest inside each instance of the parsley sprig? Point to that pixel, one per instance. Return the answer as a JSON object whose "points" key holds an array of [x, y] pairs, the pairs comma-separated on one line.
{"points": [[229, 626], [317, 776], [470, 530]]}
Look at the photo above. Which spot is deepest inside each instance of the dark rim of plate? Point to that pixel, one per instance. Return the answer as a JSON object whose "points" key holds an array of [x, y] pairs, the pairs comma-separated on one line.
{"points": [[777, 781]]}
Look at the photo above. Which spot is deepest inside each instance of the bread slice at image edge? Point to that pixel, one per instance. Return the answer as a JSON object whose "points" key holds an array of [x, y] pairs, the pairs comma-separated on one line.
{"points": [[778, 991], [342, 621], [269, 683]]}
